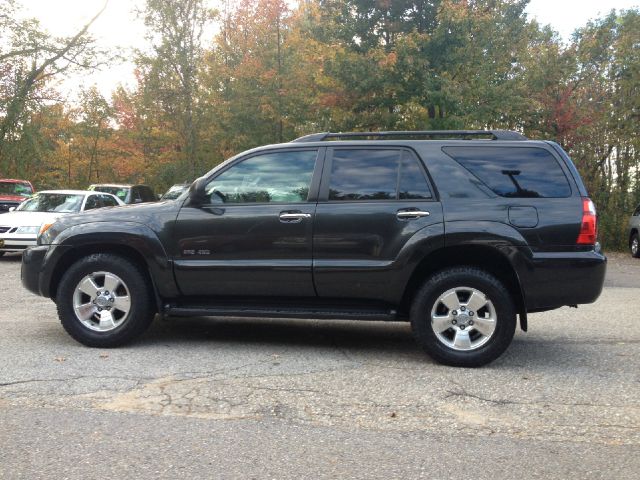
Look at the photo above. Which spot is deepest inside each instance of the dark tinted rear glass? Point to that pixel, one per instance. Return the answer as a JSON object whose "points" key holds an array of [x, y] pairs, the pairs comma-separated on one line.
{"points": [[514, 171], [365, 174]]}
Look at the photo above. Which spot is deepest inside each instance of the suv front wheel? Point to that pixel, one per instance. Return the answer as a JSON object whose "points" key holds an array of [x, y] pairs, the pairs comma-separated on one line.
{"points": [[104, 300], [464, 317]]}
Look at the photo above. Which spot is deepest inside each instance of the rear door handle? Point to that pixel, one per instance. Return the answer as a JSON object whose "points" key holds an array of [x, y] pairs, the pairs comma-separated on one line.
{"points": [[410, 214], [293, 217]]}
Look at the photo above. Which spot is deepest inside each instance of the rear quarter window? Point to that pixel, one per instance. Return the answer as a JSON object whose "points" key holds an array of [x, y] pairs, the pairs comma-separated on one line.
{"points": [[514, 172]]}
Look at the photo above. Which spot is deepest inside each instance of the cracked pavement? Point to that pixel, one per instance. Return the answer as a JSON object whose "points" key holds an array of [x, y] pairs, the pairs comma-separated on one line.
{"points": [[252, 398]]}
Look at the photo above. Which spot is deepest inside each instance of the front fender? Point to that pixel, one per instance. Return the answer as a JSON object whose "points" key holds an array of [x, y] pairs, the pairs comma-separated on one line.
{"points": [[109, 236]]}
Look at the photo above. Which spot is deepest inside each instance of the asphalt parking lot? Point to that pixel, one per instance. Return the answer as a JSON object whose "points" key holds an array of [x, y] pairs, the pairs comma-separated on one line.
{"points": [[233, 398]]}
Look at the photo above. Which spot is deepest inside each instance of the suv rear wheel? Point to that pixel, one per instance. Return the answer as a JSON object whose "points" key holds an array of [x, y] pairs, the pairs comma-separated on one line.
{"points": [[634, 244], [464, 317], [104, 301]]}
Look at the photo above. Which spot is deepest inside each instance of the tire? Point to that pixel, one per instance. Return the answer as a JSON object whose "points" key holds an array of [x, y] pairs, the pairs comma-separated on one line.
{"points": [[445, 324], [96, 317], [634, 245]]}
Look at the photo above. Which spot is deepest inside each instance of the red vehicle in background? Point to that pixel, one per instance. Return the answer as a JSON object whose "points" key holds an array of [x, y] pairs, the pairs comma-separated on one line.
{"points": [[13, 193]]}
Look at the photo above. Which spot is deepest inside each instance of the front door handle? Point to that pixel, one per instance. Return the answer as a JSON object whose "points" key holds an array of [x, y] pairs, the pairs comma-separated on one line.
{"points": [[409, 214], [293, 217]]}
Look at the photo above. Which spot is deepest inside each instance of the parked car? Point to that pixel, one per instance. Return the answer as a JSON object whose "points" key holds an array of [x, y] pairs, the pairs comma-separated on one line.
{"points": [[13, 193], [20, 227], [457, 232], [634, 233], [127, 193], [175, 191]]}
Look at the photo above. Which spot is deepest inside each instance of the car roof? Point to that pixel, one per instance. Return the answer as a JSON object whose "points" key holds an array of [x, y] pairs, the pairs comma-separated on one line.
{"points": [[74, 192], [118, 185], [13, 180]]}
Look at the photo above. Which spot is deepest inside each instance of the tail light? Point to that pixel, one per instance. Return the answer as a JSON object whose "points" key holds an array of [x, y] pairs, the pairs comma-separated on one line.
{"points": [[589, 227]]}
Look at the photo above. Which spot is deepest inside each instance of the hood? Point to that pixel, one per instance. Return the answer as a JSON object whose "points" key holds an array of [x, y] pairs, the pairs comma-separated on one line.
{"points": [[154, 215], [27, 219], [4, 197]]}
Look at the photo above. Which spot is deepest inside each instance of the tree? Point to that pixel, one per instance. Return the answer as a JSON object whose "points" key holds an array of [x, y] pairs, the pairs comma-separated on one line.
{"points": [[170, 71], [28, 59]]}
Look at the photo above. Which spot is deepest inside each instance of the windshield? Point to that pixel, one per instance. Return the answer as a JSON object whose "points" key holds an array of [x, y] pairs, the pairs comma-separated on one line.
{"points": [[174, 192], [18, 189], [52, 202], [120, 192]]}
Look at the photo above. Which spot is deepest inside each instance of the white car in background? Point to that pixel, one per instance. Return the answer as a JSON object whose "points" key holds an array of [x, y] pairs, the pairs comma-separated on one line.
{"points": [[20, 227]]}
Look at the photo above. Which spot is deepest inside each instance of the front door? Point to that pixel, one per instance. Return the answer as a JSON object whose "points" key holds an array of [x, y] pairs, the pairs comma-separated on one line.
{"points": [[253, 235]]}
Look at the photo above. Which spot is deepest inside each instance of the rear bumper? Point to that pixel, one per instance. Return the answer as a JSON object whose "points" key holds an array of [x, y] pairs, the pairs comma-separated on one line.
{"points": [[552, 280]]}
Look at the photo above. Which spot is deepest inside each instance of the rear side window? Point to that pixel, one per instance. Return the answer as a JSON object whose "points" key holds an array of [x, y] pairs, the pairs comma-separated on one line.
{"points": [[146, 194], [92, 202], [370, 174], [637, 212], [514, 172]]}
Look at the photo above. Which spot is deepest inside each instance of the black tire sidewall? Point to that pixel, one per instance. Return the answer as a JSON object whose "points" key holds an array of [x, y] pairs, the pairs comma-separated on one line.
{"points": [[140, 314], [634, 237], [463, 277]]}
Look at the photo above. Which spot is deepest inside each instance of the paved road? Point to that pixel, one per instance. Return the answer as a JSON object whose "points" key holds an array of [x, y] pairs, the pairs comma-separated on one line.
{"points": [[207, 398]]}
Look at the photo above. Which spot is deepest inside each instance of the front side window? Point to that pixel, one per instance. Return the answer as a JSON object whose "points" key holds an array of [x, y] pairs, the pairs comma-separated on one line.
{"points": [[516, 172], [376, 174], [275, 177]]}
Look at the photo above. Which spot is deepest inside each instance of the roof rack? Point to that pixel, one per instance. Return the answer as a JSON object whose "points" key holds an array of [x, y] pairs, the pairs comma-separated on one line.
{"points": [[463, 134]]}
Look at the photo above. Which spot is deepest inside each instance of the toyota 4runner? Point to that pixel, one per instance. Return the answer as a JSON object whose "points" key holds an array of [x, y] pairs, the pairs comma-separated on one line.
{"points": [[458, 232]]}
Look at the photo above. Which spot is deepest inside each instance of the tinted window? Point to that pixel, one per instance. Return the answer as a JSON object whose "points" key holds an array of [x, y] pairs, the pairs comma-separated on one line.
{"points": [[270, 177], [108, 201], [147, 194], [365, 174], [92, 202], [413, 184], [514, 172], [637, 212]]}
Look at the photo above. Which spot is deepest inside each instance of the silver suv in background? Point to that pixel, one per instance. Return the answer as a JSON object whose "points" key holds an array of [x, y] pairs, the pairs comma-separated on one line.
{"points": [[634, 233]]}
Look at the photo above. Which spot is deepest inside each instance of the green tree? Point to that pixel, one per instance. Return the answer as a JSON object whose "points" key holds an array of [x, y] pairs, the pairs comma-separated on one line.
{"points": [[171, 69], [29, 58]]}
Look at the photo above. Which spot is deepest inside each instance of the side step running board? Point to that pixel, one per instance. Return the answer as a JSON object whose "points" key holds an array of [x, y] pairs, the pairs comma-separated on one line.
{"points": [[281, 312]]}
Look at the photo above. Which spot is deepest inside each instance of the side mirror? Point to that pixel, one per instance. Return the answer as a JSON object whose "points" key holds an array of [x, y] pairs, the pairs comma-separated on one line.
{"points": [[12, 209], [197, 194]]}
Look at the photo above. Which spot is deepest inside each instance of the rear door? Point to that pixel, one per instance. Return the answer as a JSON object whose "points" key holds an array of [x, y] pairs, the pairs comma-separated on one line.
{"points": [[373, 201]]}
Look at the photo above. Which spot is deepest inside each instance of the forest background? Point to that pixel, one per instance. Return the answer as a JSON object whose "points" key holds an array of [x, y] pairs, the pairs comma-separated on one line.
{"points": [[274, 70]]}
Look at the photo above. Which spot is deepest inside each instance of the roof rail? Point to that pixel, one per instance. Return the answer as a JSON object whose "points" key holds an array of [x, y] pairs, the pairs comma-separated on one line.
{"points": [[464, 134]]}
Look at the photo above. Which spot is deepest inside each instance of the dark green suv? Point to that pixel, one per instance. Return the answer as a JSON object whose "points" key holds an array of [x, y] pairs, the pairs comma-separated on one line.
{"points": [[459, 233]]}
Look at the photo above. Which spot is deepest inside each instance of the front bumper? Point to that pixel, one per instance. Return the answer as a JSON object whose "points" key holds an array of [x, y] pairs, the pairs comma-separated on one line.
{"points": [[16, 243], [32, 265]]}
